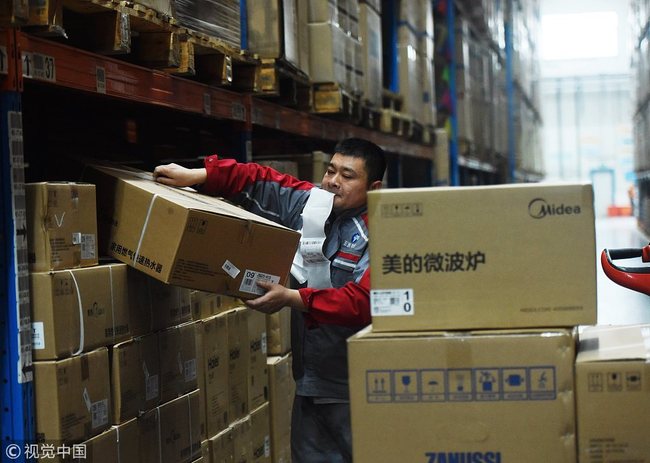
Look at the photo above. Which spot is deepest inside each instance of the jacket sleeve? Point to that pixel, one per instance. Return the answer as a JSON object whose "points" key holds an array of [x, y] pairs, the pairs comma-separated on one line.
{"points": [[259, 189], [348, 305]]}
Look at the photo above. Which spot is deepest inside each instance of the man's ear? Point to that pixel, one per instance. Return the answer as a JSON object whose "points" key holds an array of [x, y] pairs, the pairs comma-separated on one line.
{"points": [[376, 185]]}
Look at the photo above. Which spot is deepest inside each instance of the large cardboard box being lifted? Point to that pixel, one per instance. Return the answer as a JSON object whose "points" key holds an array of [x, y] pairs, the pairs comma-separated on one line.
{"points": [[482, 257], [186, 239], [483, 396], [613, 394]]}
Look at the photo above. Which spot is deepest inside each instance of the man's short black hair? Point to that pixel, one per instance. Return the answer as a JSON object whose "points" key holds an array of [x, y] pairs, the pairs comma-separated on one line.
{"points": [[372, 154]]}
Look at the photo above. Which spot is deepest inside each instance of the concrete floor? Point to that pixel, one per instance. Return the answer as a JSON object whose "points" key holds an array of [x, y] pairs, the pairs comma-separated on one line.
{"points": [[618, 305]]}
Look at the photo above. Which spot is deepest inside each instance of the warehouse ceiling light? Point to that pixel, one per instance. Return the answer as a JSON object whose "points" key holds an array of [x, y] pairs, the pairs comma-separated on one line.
{"points": [[579, 35]]}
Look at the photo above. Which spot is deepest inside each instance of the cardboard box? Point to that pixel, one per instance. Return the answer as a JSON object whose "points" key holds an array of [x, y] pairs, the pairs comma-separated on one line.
{"points": [[612, 394], [278, 332], [222, 447], [187, 239], [260, 435], [72, 397], [156, 305], [372, 55], [481, 396], [206, 305], [258, 381], [320, 11], [78, 310], [281, 392], [273, 29], [238, 352], [61, 225], [241, 439], [174, 427], [102, 448], [135, 377], [178, 361], [128, 440], [213, 362], [327, 53], [502, 256]]}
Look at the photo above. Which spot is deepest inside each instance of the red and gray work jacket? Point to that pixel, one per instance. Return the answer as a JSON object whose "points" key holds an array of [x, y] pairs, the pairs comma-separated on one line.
{"points": [[334, 314]]}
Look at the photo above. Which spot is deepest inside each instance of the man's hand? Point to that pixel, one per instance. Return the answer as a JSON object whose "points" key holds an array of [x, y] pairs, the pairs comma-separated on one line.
{"points": [[275, 298], [175, 175]]}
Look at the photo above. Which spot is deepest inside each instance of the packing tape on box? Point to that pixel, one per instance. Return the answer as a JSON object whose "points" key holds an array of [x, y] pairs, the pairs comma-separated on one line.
{"points": [[117, 440], [144, 229], [309, 263], [81, 315], [159, 435], [110, 280], [189, 422]]}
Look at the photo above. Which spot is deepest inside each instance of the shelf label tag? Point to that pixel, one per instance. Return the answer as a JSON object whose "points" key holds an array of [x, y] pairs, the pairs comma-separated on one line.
{"points": [[101, 79], [238, 112], [39, 67], [4, 60]]}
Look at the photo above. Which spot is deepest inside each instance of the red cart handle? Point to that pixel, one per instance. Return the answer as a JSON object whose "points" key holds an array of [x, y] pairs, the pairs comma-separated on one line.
{"points": [[635, 278]]}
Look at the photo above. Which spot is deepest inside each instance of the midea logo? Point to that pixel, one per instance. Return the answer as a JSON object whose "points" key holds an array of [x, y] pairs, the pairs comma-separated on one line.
{"points": [[538, 208]]}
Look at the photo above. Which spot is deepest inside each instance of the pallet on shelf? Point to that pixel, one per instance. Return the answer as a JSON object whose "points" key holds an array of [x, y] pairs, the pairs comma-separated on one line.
{"points": [[285, 83], [396, 123], [142, 35], [333, 100]]}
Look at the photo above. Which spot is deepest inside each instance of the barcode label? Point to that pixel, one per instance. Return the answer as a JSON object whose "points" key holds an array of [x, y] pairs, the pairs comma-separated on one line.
{"points": [[151, 387], [190, 370], [39, 67], [251, 277], [88, 246], [391, 302], [238, 112], [101, 79], [38, 336], [99, 413], [230, 269]]}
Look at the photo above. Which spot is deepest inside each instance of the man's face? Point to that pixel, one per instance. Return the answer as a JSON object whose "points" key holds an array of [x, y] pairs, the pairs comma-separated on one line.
{"points": [[347, 178]]}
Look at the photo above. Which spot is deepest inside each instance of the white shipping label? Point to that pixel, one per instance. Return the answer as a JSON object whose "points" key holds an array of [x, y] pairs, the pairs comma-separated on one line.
{"points": [[99, 413], [38, 336], [190, 370], [230, 269], [251, 277], [151, 387], [88, 246], [391, 302], [267, 446]]}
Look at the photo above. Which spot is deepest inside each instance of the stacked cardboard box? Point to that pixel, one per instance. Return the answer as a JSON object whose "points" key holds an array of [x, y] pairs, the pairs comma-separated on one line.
{"points": [[117, 346], [337, 51], [277, 29], [612, 394], [75, 315], [511, 270], [415, 53]]}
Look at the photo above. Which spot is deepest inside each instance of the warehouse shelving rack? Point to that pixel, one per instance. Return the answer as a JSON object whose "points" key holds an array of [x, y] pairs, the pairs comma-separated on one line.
{"points": [[30, 64], [465, 169]]}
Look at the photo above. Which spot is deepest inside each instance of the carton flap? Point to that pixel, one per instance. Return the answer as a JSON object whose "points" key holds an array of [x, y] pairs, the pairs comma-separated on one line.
{"points": [[606, 343]]}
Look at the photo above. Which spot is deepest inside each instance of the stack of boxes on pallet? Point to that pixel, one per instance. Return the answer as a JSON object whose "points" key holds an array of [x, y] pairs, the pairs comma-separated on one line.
{"points": [[471, 352], [415, 53], [135, 369], [481, 93], [481, 82]]}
